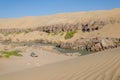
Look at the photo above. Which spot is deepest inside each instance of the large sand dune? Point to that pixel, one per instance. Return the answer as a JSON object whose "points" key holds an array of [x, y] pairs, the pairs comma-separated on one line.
{"points": [[62, 18], [111, 29], [100, 66]]}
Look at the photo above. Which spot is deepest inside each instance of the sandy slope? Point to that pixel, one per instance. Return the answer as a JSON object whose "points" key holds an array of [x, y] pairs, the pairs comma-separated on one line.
{"points": [[81, 17], [109, 30], [100, 66]]}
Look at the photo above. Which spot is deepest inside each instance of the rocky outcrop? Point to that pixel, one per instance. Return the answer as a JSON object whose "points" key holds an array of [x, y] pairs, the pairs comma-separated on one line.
{"points": [[91, 44], [52, 28], [56, 28]]}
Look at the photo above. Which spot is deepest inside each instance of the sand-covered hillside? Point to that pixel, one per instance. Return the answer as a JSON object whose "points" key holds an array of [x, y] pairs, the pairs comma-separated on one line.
{"points": [[62, 18], [78, 30]]}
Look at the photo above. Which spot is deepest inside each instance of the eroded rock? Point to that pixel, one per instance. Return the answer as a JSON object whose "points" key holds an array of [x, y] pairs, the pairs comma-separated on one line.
{"points": [[91, 44]]}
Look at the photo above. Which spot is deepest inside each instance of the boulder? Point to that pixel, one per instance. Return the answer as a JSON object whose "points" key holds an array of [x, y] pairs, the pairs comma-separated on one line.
{"points": [[33, 54]]}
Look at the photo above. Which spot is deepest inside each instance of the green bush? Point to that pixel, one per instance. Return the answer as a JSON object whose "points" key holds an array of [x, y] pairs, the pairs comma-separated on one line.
{"points": [[62, 33], [52, 33], [70, 34], [6, 34], [7, 54], [18, 32], [29, 29]]}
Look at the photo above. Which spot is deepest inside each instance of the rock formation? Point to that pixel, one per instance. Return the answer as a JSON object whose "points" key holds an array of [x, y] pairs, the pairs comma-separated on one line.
{"points": [[92, 44]]}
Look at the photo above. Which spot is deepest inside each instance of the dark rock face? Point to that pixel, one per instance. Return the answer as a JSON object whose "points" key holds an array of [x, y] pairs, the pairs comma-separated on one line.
{"points": [[85, 27], [92, 44], [59, 28], [93, 25]]}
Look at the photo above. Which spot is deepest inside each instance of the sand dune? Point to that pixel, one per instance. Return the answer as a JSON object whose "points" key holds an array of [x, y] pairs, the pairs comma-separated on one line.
{"points": [[100, 66], [81, 17]]}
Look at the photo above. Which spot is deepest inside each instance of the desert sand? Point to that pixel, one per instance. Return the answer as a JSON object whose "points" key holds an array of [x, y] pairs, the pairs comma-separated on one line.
{"points": [[45, 56], [50, 65], [103, 65], [61, 18]]}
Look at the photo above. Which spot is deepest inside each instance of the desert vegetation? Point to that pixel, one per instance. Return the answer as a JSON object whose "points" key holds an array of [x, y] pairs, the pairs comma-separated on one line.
{"points": [[69, 34], [8, 54]]}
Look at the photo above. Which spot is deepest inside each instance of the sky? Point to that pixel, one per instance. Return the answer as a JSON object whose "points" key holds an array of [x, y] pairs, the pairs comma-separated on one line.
{"points": [[22, 8]]}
